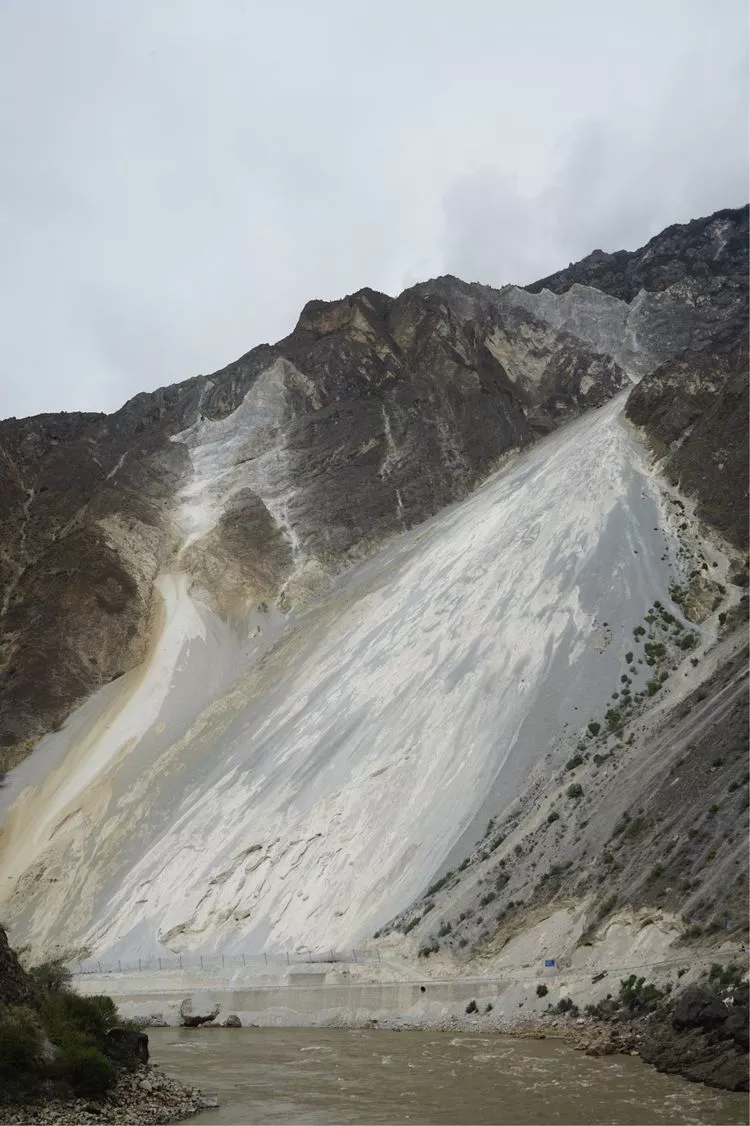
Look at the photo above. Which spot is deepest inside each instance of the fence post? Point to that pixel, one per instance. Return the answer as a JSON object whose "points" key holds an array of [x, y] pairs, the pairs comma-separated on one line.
{"points": [[139, 965], [80, 967], [100, 966], [222, 961], [378, 954], [160, 963], [287, 957], [119, 965], [180, 961], [201, 961], [354, 952]]}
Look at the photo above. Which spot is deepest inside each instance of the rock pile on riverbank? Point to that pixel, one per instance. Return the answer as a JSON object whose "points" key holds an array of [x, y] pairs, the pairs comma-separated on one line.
{"points": [[698, 1037], [145, 1097]]}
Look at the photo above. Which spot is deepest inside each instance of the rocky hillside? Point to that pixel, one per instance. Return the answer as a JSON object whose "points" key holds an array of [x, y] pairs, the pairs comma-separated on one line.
{"points": [[248, 592], [694, 411], [268, 476]]}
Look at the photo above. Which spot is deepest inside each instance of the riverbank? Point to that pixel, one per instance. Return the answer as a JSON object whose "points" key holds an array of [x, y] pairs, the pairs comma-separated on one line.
{"points": [[146, 1097]]}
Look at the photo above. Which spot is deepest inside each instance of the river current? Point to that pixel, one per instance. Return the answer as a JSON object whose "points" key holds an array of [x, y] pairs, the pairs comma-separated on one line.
{"points": [[328, 1076]]}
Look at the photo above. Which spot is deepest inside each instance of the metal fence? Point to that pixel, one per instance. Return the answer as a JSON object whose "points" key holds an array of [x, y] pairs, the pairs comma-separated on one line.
{"points": [[218, 962]]}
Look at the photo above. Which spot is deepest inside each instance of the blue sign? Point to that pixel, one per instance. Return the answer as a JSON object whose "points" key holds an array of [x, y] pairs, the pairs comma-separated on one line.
{"points": [[549, 963]]}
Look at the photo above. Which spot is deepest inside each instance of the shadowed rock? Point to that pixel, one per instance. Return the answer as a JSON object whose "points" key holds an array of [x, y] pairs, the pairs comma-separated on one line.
{"points": [[698, 1008]]}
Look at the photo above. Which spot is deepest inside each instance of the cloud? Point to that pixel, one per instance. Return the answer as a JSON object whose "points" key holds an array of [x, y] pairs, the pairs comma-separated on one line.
{"points": [[614, 182], [177, 178]]}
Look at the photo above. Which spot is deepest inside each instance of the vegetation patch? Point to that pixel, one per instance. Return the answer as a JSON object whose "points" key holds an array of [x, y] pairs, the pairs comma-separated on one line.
{"points": [[59, 1040]]}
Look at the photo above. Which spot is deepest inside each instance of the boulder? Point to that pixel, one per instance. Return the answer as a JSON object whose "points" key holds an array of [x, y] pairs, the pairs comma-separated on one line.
{"points": [[735, 1027], [233, 1021], [130, 1043], [698, 1008], [190, 1019]]}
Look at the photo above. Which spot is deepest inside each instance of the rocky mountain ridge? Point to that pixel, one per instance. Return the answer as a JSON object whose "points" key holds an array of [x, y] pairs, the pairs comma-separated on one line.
{"points": [[372, 415]]}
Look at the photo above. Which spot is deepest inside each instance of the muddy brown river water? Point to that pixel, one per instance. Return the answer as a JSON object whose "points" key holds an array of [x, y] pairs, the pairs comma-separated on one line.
{"points": [[322, 1076]]}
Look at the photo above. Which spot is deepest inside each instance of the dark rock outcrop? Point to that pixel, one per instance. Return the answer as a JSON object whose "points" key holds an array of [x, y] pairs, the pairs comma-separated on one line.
{"points": [[694, 410], [698, 1008], [130, 1043], [707, 248], [16, 987]]}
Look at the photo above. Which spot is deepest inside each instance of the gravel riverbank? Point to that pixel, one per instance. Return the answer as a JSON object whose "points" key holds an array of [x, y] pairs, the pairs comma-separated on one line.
{"points": [[146, 1097]]}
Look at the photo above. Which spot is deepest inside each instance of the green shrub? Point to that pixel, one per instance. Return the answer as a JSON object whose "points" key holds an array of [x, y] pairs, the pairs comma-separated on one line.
{"points": [[726, 977], [20, 1048], [429, 948], [553, 816], [471, 1007], [90, 1017], [594, 728], [88, 1070], [573, 762], [575, 791], [433, 888], [53, 976], [488, 898], [444, 929], [639, 996], [542, 990], [629, 658]]}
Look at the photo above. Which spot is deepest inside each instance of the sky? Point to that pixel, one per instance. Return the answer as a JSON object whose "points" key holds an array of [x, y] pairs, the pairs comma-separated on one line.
{"points": [[178, 177]]}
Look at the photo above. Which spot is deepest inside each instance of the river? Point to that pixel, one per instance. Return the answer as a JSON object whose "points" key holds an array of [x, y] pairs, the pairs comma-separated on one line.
{"points": [[328, 1076]]}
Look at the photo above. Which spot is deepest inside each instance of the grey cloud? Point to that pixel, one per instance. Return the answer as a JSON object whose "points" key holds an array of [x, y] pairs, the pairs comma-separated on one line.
{"points": [[178, 178], [616, 182]]}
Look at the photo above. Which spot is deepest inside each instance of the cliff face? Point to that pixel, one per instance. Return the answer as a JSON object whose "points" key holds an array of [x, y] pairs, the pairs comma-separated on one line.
{"points": [[262, 480], [694, 411]]}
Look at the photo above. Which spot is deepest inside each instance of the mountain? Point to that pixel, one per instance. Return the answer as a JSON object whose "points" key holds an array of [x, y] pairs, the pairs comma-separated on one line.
{"points": [[281, 639]]}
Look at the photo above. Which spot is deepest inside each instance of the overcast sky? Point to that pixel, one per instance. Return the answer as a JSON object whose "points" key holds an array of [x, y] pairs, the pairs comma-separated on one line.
{"points": [[177, 177]]}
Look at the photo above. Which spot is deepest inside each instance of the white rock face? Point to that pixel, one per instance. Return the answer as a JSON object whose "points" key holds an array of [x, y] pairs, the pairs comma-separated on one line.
{"points": [[609, 325], [245, 791]]}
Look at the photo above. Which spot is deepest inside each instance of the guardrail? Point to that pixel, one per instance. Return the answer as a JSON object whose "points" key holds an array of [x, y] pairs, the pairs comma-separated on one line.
{"points": [[170, 961]]}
